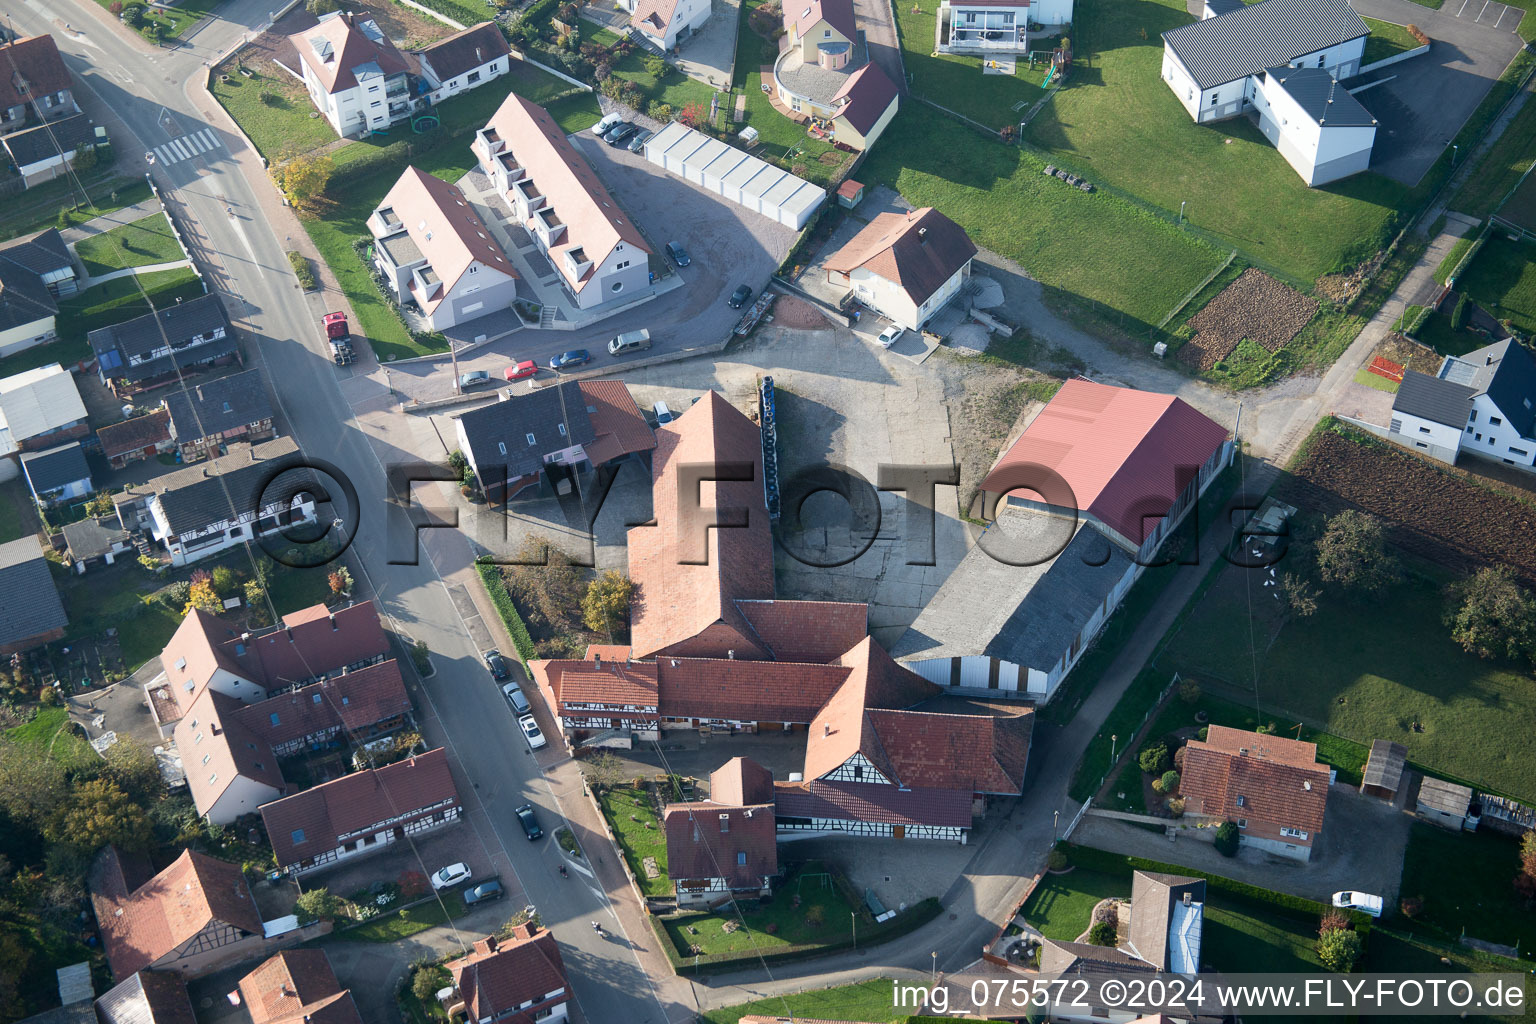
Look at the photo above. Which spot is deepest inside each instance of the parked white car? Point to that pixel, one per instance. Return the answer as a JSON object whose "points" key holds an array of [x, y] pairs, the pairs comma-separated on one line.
{"points": [[450, 876], [1361, 901], [531, 732], [891, 335], [609, 120]]}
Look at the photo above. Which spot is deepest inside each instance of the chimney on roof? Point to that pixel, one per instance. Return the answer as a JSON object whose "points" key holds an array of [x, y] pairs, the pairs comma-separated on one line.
{"points": [[245, 637], [252, 450], [1487, 360], [597, 659], [922, 236], [332, 617], [1189, 897], [287, 991], [826, 729], [199, 390], [730, 655]]}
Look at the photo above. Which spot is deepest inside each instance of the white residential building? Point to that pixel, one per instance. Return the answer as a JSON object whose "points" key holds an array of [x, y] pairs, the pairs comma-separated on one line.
{"points": [[357, 78], [905, 265], [666, 23], [464, 61], [1483, 402]]}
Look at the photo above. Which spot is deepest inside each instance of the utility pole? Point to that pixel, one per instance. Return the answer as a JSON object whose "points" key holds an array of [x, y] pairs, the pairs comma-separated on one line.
{"points": [[853, 917], [453, 354]]}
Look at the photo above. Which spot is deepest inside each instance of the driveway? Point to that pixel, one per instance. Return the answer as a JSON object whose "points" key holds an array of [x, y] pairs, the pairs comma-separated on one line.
{"points": [[1421, 109], [1361, 847], [878, 22]]}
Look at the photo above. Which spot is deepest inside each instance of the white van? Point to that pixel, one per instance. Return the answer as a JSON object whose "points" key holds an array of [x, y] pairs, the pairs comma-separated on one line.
{"points": [[631, 341]]}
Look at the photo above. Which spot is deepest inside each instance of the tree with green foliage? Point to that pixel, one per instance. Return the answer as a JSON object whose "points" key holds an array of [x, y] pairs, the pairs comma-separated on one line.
{"points": [[317, 905], [340, 581], [656, 67], [132, 766], [1299, 594], [1492, 616], [303, 179], [133, 15], [1154, 758], [428, 981], [1460, 311], [98, 813], [224, 581], [1338, 950], [1170, 781], [32, 788], [100, 504], [1352, 552], [1103, 933], [256, 603], [605, 607], [1227, 839]]}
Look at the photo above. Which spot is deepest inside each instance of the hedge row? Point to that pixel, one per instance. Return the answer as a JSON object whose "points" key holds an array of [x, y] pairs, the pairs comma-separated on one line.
{"points": [[908, 921], [1115, 863], [497, 589]]}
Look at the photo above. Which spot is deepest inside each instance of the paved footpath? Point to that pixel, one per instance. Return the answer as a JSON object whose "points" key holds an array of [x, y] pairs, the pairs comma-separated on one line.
{"points": [[107, 221]]}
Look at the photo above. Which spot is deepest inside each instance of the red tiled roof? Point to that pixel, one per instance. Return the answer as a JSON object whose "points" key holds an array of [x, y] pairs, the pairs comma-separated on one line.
{"points": [[311, 646], [354, 802], [1278, 779], [500, 976], [919, 251], [1126, 454], [168, 910], [214, 727], [850, 189], [976, 753], [698, 846], [136, 434], [807, 631], [350, 49], [613, 683], [841, 728], [608, 652], [195, 653], [676, 600], [741, 782], [872, 801], [355, 700], [747, 691], [869, 93], [616, 420], [297, 985], [656, 13], [34, 60], [838, 14]]}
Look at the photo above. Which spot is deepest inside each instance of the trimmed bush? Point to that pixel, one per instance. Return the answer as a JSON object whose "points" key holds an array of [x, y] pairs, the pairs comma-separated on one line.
{"points": [[497, 589], [1154, 758], [1227, 840], [1103, 934], [1170, 781], [1338, 950], [1459, 311]]}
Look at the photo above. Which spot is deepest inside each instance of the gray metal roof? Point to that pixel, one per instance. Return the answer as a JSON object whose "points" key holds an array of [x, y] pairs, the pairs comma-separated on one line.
{"points": [[1506, 373], [24, 298], [1433, 399], [148, 997], [1266, 35], [1321, 96], [215, 406], [509, 422], [1445, 797], [29, 602], [55, 468], [49, 140], [1027, 615]]}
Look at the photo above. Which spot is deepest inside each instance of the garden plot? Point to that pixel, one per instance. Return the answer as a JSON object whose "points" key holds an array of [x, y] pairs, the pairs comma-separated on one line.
{"points": [[1256, 307]]}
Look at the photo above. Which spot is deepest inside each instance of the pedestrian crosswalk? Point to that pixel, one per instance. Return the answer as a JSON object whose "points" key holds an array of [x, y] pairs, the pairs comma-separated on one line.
{"points": [[188, 146]]}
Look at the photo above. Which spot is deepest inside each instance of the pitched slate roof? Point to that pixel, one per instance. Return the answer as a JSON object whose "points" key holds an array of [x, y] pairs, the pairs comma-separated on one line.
{"points": [[116, 345], [297, 986], [1321, 97], [1125, 454], [232, 485], [92, 538], [1277, 779], [465, 51], [29, 601], [1433, 399], [42, 253], [747, 691], [503, 975], [676, 598], [1244, 42], [445, 229], [49, 141], [1078, 958], [873, 801], [24, 298], [919, 251], [347, 46], [869, 92], [134, 434], [55, 468], [707, 840], [32, 61], [147, 997], [1153, 896], [210, 408], [806, 631], [557, 418], [741, 782], [140, 927], [804, 14], [310, 823], [1506, 372]]}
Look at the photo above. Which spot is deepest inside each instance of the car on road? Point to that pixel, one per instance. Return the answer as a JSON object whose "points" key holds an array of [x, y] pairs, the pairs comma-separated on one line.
{"points": [[740, 296], [517, 699], [891, 335], [525, 818], [474, 378], [575, 357], [531, 731], [638, 140], [519, 371], [604, 126], [497, 664], [678, 254], [1364, 902], [450, 876], [483, 893], [620, 135]]}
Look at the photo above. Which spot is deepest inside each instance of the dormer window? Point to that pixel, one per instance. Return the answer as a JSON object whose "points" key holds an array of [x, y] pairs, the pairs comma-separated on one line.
{"points": [[501, 446], [725, 823], [531, 440]]}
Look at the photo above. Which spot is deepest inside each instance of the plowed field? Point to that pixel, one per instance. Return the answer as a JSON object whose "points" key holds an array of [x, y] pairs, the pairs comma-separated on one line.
{"points": [[1256, 307]]}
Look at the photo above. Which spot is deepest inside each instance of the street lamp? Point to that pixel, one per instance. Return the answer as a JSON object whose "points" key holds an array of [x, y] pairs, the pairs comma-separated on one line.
{"points": [[934, 973], [1455, 152], [1055, 819], [1113, 741], [854, 919], [1182, 204]]}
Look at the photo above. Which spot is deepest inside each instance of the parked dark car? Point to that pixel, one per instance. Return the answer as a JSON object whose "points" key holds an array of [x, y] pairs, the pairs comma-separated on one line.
{"points": [[530, 824], [575, 357], [678, 253], [496, 663], [638, 140], [740, 296], [483, 893], [620, 135]]}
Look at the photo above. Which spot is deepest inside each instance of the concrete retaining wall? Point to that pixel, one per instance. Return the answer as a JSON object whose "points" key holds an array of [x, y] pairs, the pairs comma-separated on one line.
{"points": [[1417, 51]]}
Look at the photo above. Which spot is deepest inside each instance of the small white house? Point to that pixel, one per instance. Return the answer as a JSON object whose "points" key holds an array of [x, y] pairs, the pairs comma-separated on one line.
{"points": [[57, 475], [1483, 402], [985, 27], [356, 77], [666, 23], [905, 265], [464, 61]]}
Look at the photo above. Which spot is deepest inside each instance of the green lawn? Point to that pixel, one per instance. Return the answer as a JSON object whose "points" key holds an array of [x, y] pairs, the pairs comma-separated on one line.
{"points": [[140, 244], [1118, 123], [957, 82], [1092, 245], [1502, 279], [1454, 257], [576, 112], [1061, 905], [108, 303], [173, 21], [1502, 167], [673, 87], [1386, 40], [771, 928], [14, 497], [466, 14], [1368, 670], [866, 1001], [1436, 332], [1466, 881], [639, 835], [405, 923], [1376, 381], [38, 207], [277, 127], [47, 736], [1393, 952], [116, 597]]}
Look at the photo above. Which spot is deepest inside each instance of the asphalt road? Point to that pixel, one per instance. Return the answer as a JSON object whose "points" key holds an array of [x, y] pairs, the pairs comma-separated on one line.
{"points": [[157, 96]]}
